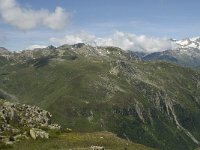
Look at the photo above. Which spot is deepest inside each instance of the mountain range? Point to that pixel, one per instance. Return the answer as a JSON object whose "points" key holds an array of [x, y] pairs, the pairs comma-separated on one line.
{"points": [[186, 52], [90, 89]]}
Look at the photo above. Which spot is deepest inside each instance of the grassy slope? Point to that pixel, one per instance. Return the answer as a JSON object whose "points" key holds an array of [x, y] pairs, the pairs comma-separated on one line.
{"points": [[81, 94], [78, 141]]}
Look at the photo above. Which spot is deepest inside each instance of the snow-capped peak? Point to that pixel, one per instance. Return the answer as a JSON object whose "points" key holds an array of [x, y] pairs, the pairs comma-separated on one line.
{"points": [[195, 39], [183, 42], [189, 43]]}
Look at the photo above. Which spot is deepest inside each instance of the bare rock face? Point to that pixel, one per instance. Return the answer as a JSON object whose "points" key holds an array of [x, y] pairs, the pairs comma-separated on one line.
{"points": [[23, 121]]}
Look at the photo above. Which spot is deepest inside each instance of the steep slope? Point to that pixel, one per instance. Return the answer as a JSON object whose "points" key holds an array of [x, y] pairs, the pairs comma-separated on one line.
{"points": [[105, 88]]}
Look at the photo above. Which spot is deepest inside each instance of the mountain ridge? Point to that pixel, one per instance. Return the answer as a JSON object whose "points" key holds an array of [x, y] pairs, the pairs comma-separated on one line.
{"points": [[187, 53], [106, 88]]}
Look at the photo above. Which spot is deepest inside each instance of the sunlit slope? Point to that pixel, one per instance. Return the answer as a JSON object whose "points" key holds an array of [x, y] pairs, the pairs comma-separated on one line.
{"points": [[153, 103]]}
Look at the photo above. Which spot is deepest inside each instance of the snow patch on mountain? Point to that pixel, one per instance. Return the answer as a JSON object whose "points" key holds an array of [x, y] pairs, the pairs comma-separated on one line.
{"points": [[189, 43]]}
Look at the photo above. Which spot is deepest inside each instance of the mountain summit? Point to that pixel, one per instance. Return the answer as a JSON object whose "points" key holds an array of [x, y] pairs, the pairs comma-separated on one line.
{"points": [[189, 43], [186, 53]]}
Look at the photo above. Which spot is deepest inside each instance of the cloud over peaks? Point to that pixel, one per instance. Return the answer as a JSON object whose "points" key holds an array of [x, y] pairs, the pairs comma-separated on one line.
{"points": [[32, 47], [126, 41], [25, 18]]}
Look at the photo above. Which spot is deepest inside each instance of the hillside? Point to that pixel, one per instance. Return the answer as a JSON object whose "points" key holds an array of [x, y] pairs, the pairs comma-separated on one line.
{"points": [[25, 127], [78, 141], [107, 89]]}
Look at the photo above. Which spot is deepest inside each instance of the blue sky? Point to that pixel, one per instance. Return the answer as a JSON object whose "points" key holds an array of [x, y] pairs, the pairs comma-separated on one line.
{"points": [[152, 18]]}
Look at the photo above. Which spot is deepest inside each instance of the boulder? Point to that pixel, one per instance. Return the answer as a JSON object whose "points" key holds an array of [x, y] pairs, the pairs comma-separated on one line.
{"points": [[38, 133], [19, 122]]}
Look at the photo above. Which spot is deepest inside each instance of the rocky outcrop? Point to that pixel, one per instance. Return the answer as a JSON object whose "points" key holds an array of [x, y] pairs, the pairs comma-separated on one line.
{"points": [[23, 121], [38, 133]]}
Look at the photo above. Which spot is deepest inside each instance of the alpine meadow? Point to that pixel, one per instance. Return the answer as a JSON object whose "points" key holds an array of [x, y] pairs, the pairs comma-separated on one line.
{"points": [[99, 75]]}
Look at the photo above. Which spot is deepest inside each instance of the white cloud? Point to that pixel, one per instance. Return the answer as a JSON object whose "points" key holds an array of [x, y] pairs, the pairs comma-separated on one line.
{"points": [[32, 47], [25, 18], [82, 37], [126, 41]]}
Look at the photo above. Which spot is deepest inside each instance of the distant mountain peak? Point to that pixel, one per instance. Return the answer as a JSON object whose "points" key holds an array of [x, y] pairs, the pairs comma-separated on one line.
{"points": [[195, 38], [51, 47], [189, 43], [78, 45], [187, 53], [4, 51]]}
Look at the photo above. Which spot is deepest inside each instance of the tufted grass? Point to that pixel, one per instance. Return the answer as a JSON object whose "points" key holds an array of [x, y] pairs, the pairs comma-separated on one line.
{"points": [[77, 141]]}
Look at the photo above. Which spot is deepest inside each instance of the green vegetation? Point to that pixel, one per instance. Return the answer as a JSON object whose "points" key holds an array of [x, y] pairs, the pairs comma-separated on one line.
{"points": [[152, 103], [77, 141]]}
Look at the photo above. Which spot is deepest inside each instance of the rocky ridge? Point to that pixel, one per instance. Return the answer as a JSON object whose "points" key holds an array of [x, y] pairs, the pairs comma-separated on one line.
{"points": [[105, 88], [72, 51]]}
